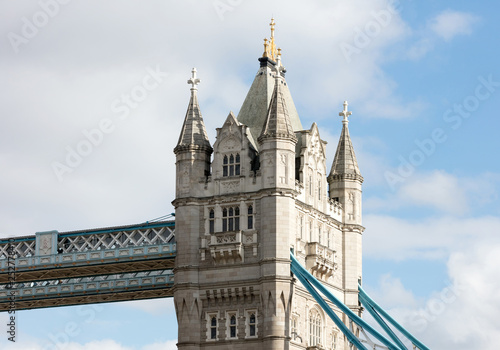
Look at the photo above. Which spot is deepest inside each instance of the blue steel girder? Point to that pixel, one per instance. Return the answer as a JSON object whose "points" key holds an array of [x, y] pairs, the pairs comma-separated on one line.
{"points": [[94, 289], [90, 266]]}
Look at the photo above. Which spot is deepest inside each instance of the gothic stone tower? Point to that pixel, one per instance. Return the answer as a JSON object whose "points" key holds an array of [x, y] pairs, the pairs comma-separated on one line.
{"points": [[239, 213]]}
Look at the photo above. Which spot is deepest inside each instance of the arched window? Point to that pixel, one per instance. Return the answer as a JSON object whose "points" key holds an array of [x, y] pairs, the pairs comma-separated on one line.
{"points": [[231, 165], [213, 328], [231, 219], [319, 188], [232, 327], [224, 167], [211, 221], [250, 218], [315, 325], [251, 323], [301, 227]]}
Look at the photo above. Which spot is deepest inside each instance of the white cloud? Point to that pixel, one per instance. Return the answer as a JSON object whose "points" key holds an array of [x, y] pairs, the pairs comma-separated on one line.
{"points": [[442, 192], [392, 238], [449, 24], [445, 26], [461, 316], [106, 344], [169, 345], [439, 190], [154, 306]]}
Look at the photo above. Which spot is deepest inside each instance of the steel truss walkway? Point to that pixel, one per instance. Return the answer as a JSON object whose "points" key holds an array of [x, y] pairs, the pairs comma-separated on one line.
{"points": [[92, 266], [361, 335]]}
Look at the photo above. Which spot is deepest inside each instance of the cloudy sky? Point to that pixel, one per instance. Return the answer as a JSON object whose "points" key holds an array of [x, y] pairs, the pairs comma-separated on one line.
{"points": [[94, 94]]}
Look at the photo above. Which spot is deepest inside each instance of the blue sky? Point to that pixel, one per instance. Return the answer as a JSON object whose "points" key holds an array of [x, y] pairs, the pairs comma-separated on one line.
{"points": [[422, 81]]}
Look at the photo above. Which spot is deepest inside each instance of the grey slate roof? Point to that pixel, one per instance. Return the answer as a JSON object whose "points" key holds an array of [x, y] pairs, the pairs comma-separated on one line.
{"points": [[253, 112], [277, 123], [193, 131], [345, 163]]}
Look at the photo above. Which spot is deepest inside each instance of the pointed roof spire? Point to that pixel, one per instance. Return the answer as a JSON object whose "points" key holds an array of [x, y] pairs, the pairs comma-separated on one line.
{"points": [[193, 131], [277, 123], [345, 163]]}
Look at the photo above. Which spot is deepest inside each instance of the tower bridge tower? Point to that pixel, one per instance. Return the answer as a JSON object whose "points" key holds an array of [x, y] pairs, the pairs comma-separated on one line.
{"points": [[265, 191]]}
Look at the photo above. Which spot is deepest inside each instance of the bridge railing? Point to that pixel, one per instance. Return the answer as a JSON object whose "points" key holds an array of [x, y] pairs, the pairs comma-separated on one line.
{"points": [[53, 242]]}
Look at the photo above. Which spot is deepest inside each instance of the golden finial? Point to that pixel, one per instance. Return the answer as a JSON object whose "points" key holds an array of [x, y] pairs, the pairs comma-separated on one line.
{"points": [[271, 51], [272, 24], [265, 54]]}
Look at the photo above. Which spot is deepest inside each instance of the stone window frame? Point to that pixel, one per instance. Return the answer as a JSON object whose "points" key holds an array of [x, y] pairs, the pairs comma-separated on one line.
{"points": [[248, 314], [319, 187], [315, 327], [211, 220], [301, 226], [250, 216], [230, 326], [231, 222], [231, 165], [295, 329], [210, 327], [335, 339]]}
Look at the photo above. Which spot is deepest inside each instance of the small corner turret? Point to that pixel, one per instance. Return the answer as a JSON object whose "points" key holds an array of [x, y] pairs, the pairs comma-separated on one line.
{"points": [[345, 179], [193, 149]]}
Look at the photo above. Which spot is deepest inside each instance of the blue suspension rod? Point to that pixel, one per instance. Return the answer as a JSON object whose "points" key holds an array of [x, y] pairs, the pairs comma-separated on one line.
{"points": [[384, 325], [350, 336], [367, 300], [299, 269]]}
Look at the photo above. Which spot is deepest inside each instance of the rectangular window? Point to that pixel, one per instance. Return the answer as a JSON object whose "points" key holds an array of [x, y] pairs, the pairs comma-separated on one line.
{"points": [[212, 323], [250, 218], [251, 323], [231, 165], [319, 189], [232, 325], [301, 227], [310, 231], [211, 221], [231, 219], [319, 234]]}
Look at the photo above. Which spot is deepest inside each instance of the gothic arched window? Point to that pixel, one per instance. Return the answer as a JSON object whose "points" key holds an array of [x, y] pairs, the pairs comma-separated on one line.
{"points": [[251, 323], [231, 165], [250, 218], [213, 328], [315, 325], [232, 327], [211, 221], [231, 219]]}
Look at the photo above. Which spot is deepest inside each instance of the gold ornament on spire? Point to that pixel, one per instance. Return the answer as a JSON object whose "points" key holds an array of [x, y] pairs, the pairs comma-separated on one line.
{"points": [[270, 50]]}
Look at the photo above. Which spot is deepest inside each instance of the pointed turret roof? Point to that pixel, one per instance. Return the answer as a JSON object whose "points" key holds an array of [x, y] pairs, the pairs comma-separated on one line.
{"points": [[277, 123], [345, 164], [253, 112], [193, 133]]}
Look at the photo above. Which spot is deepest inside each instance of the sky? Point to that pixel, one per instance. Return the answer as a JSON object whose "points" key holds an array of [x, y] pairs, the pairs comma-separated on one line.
{"points": [[93, 95]]}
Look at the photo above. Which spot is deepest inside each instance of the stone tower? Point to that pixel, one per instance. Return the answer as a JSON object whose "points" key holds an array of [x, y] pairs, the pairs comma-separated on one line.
{"points": [[238, 215]]}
